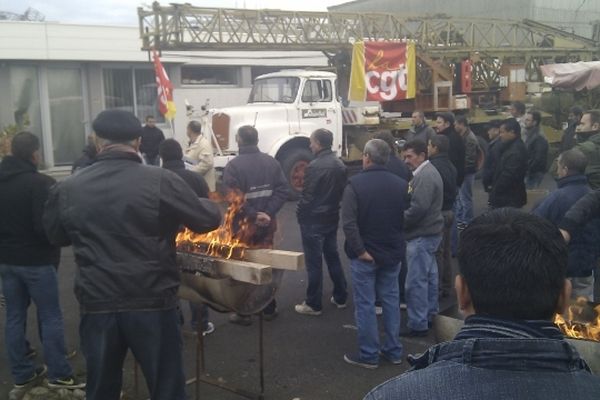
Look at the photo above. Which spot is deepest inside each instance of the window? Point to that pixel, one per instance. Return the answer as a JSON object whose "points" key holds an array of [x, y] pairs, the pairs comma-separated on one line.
{"points": [[316, 91], [274, 90], [202, 75], [133, 90]]}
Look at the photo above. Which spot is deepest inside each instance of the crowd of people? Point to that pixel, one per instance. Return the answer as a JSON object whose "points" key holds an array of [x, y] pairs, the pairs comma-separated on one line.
{"points": [[403, 219]]}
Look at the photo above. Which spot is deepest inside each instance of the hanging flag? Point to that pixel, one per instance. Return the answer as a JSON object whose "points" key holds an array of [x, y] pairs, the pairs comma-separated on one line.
{"points": [[166, 106], [383, 71]]}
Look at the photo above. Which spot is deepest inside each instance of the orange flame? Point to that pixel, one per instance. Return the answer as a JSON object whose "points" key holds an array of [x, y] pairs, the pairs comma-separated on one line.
{"points": [[581, 322], [227, 240]]}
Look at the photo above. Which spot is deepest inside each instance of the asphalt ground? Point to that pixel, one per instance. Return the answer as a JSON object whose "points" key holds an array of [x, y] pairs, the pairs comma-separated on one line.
{"points": [[303, 354]]}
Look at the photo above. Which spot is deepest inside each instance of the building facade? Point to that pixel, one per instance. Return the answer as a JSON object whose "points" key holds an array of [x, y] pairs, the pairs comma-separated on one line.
{"points": [[55, 78]]}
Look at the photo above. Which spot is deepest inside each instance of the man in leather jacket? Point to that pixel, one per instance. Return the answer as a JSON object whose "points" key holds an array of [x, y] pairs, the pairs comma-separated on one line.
{"points": [[318, 215], [121, 218]]}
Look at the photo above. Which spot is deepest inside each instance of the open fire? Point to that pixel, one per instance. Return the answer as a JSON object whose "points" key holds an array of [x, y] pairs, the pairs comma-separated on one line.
{"points": [[581, 321], [227, 241]]}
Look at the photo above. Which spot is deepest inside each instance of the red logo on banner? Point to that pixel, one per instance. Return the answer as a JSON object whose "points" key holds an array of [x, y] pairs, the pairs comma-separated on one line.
{"points": [[386, 75]]}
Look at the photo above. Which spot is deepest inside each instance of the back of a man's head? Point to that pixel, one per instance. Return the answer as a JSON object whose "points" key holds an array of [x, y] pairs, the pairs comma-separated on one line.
{"points": [[247, 136], [514, 265], [170, 150], [23, 145]]}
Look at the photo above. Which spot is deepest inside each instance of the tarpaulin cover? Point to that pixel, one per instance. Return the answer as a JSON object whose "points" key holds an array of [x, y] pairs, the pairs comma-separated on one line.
{"points": [[578, 76]]}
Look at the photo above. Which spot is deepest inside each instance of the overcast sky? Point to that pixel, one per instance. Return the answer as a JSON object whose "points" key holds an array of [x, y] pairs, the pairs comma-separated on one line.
{"points": [[124, 12]]}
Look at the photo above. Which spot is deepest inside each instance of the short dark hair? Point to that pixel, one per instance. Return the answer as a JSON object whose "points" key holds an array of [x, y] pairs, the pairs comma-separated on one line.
{"points": [[324, 137], [386, 137], [574, 160], [519, 106], [536, 115], [378, 151], [576, 110], [514, 264], [170, 150], [24, 144], [148, 117], [441, 143], [446, 116], [512, 125], [195, 127], [461, 119], [248, 135], [416, 145]]}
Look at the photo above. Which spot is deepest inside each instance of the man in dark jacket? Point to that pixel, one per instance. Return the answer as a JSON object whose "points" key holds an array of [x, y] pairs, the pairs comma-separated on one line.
{"points": [[152, 137], [464, 204], [492, 156], [121, 218], [438, 156], [537, 150], [87, 157], [318, 216], [372, 213], [445, 126], [504, 350], [259, 179], [171, 154], [583, 247], [568, 139], [28, 265], [395, 165], [419, 129], [508, 184], [588, 137]]}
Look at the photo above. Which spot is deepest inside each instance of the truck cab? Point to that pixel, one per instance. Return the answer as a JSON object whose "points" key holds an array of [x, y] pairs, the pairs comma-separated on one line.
{"points": [[285, 107]]}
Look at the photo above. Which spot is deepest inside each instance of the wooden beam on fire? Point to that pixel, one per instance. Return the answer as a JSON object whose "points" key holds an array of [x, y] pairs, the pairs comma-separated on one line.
{"points": [[243, 271], [280, 259]]}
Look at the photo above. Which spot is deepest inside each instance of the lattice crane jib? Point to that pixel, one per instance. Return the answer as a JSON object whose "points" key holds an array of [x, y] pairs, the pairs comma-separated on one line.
{"points": [[487, 42]]}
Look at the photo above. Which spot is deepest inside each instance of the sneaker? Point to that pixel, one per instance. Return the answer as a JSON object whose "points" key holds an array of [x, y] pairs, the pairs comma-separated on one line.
{"points": [[306, 309], [353, 359], [69, 382], [335, 303], [378, 310], [403, 306], [461, 226], [244, 320], [391, 360], [37, 374], [210, 328]]}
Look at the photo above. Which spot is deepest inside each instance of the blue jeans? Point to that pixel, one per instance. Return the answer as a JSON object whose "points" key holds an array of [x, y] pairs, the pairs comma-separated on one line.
{"points": [[422, 281], [464, 200], [368, 281], [21, 284], [154, 338], [320, 241]]}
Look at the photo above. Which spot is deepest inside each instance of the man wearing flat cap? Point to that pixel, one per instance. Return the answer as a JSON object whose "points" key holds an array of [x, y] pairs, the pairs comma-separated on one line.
{"points": [[121, 218]]}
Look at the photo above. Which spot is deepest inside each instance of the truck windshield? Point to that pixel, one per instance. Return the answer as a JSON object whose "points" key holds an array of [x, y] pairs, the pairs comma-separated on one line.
{"points": [[274, 90]]}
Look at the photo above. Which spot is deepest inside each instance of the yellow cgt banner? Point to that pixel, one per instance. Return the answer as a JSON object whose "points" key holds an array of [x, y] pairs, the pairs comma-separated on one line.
{"points": [[383, 71]]}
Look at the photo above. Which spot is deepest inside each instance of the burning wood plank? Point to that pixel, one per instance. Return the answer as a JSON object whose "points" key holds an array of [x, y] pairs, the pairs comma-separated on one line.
{"points": [[280, 259], [238, 270]]}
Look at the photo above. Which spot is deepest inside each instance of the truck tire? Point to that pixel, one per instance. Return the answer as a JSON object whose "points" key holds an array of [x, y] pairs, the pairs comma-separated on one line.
{"points": [[294, 162]]}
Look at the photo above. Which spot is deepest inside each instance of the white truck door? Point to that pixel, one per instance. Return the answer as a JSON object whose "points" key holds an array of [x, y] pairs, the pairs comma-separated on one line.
{"points": [[318, 107]]}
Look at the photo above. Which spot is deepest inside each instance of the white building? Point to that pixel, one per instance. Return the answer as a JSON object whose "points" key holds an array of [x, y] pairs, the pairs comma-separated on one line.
{"points": [[55, 78]]}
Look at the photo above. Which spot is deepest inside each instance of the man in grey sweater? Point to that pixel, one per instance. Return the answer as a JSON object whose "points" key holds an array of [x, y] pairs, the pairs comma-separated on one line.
{"points": [[423, 223]]}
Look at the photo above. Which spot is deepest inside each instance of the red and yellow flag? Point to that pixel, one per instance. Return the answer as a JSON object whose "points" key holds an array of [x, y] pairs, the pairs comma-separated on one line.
{"points": [[166, 106], [383, 71]]}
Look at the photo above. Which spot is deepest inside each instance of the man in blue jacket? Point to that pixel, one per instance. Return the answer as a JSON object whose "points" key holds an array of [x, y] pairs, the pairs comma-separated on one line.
{"points": [[583, 248], [372, 214], [511, 282]]}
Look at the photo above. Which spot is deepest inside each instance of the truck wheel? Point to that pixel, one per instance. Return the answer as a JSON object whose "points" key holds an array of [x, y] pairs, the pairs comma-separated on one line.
{"points": [[293, 163]]}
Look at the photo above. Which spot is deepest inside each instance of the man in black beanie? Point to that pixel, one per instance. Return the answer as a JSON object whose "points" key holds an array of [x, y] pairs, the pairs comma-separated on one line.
{"points": [[121, 218]]}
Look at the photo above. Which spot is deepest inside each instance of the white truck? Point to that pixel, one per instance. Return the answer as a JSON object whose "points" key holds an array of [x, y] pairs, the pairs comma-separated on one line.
{"points": [[286, 107]]}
